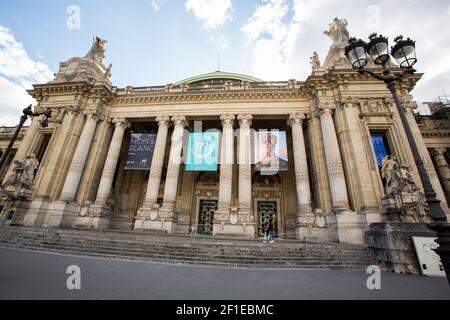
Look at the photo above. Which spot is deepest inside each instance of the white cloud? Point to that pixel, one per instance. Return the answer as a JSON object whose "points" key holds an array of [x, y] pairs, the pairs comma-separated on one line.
{"points": [[282, 34], [268, 35], [13, 98], [220, 42], [17, 73], [212, 13], [156, 4]]}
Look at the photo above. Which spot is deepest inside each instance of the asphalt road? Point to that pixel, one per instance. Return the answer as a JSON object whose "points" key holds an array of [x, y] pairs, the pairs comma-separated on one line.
{"points": [[37, 275]]}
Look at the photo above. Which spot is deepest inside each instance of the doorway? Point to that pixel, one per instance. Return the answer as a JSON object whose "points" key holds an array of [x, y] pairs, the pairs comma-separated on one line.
{"points": [[267, 212], [206, 216]]}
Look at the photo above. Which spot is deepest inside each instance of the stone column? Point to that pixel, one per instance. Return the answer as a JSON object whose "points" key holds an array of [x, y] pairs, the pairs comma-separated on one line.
{"points": [[154, 178], [333, 158], [167, 213], [442, 167], [76, 168], [222, 214], [305, 215], [245, 164], [226, 163], [425, 155], [104, 189], [242, 222]]}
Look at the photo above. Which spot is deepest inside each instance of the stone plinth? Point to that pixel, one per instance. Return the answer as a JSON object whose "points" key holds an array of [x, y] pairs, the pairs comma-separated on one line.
{"points": [[19, 204], [393, 245], [61, 214], [350, 227], [234, 224]]}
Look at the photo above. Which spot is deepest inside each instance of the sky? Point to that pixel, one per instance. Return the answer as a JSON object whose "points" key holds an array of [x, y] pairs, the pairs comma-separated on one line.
{"points": [[156, 42]]}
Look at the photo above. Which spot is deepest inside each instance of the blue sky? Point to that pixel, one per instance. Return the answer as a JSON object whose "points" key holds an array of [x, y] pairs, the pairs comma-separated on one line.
{"points": [[155, 42]]}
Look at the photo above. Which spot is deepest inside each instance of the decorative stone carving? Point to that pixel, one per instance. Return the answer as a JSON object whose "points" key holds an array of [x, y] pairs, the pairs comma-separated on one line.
{"points": [[22, 173], [338, 32], [89, 68], [19, 184], [397, 177], [403, 201], [233, 217], [315, 61], [321, 220], [97, 52]]}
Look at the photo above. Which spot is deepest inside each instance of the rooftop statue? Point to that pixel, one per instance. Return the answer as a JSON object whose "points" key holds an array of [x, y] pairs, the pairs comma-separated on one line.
{"points": [[338, 32], [97, 51], [315, 61]]}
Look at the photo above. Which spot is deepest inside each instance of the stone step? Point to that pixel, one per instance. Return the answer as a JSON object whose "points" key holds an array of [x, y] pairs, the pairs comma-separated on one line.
{"points": [[181, 255], [207, 253], [187, 250], [228, 263]]}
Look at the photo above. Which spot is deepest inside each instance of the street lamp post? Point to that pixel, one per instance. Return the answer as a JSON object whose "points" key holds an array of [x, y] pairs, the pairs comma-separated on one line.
{"points": [[404, 53], [27, 112]]}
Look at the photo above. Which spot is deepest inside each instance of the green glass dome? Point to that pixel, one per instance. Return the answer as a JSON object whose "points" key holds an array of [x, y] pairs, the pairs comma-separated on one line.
{"points": [[219, 75]]}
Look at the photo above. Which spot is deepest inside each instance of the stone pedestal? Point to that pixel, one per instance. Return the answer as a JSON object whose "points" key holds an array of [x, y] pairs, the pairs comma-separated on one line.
{"points": [[19, 205], [96, 217], [234, 224], [350, 227], [61, 214], [393, 245]]}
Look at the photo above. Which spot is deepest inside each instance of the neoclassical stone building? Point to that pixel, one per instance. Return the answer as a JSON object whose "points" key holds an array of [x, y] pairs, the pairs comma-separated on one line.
{"points": [[339, 127]]}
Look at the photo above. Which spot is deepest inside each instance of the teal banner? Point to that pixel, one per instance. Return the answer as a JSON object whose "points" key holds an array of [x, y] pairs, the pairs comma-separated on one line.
{"points": [[203, 151]]}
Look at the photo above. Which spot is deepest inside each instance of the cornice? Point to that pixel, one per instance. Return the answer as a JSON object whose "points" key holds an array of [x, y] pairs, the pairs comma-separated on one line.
{"points": [[186, 97]]}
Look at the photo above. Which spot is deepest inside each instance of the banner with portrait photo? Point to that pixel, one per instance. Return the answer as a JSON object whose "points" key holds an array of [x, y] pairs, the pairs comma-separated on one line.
{"points": [[270, 149], [203, 151], [140, 151]]}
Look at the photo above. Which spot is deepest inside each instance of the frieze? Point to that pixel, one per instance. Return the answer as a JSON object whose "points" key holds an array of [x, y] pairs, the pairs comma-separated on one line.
{"points": [[374, 107]]}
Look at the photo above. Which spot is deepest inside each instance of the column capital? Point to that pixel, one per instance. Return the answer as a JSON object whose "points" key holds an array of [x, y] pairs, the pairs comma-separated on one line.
{"points": [[323, 108], [439, 151], [163, 120], [227, 119], [296, 118], [93, 115], [121, 122], [245, 119], [179, 120]]}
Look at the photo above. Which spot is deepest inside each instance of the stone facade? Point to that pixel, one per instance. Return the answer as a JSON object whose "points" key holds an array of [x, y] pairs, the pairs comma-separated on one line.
{"points": [[332, 191]]}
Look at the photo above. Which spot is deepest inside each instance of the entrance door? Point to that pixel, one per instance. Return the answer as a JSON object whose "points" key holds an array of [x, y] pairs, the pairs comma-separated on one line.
{"points": [[267, 212], [206, 216]]}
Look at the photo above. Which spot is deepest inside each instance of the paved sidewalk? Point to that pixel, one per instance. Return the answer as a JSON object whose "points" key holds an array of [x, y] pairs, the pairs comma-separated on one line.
{"points": [[36, 275]]}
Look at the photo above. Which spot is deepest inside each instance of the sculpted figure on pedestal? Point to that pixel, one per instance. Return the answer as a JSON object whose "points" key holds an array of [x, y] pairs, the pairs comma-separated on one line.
{"points": [[338, 32], [97, 51], [315, 61], [397, 177]]}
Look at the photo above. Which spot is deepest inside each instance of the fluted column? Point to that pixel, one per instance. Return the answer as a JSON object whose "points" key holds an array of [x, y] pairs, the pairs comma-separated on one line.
{"points": [[333, 159], [154, 178], [76, 168], [442, 167], [226, 163], [425, 156], [301, 166], [173, 168], [104, 189], [245, 167]]}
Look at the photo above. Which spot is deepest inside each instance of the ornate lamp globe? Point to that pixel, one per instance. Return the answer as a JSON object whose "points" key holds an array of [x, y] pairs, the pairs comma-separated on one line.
{"points": [[404, 52], [356, 53], [378, 48]]}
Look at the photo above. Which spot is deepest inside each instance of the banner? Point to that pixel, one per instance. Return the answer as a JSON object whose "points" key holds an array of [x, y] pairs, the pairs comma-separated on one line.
{"points": [[203, 151], [140, 151], [270, 150]]}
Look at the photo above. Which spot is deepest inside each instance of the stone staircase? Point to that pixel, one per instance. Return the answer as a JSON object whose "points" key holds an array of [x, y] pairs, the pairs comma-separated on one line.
{"points": [[184, 249]]}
